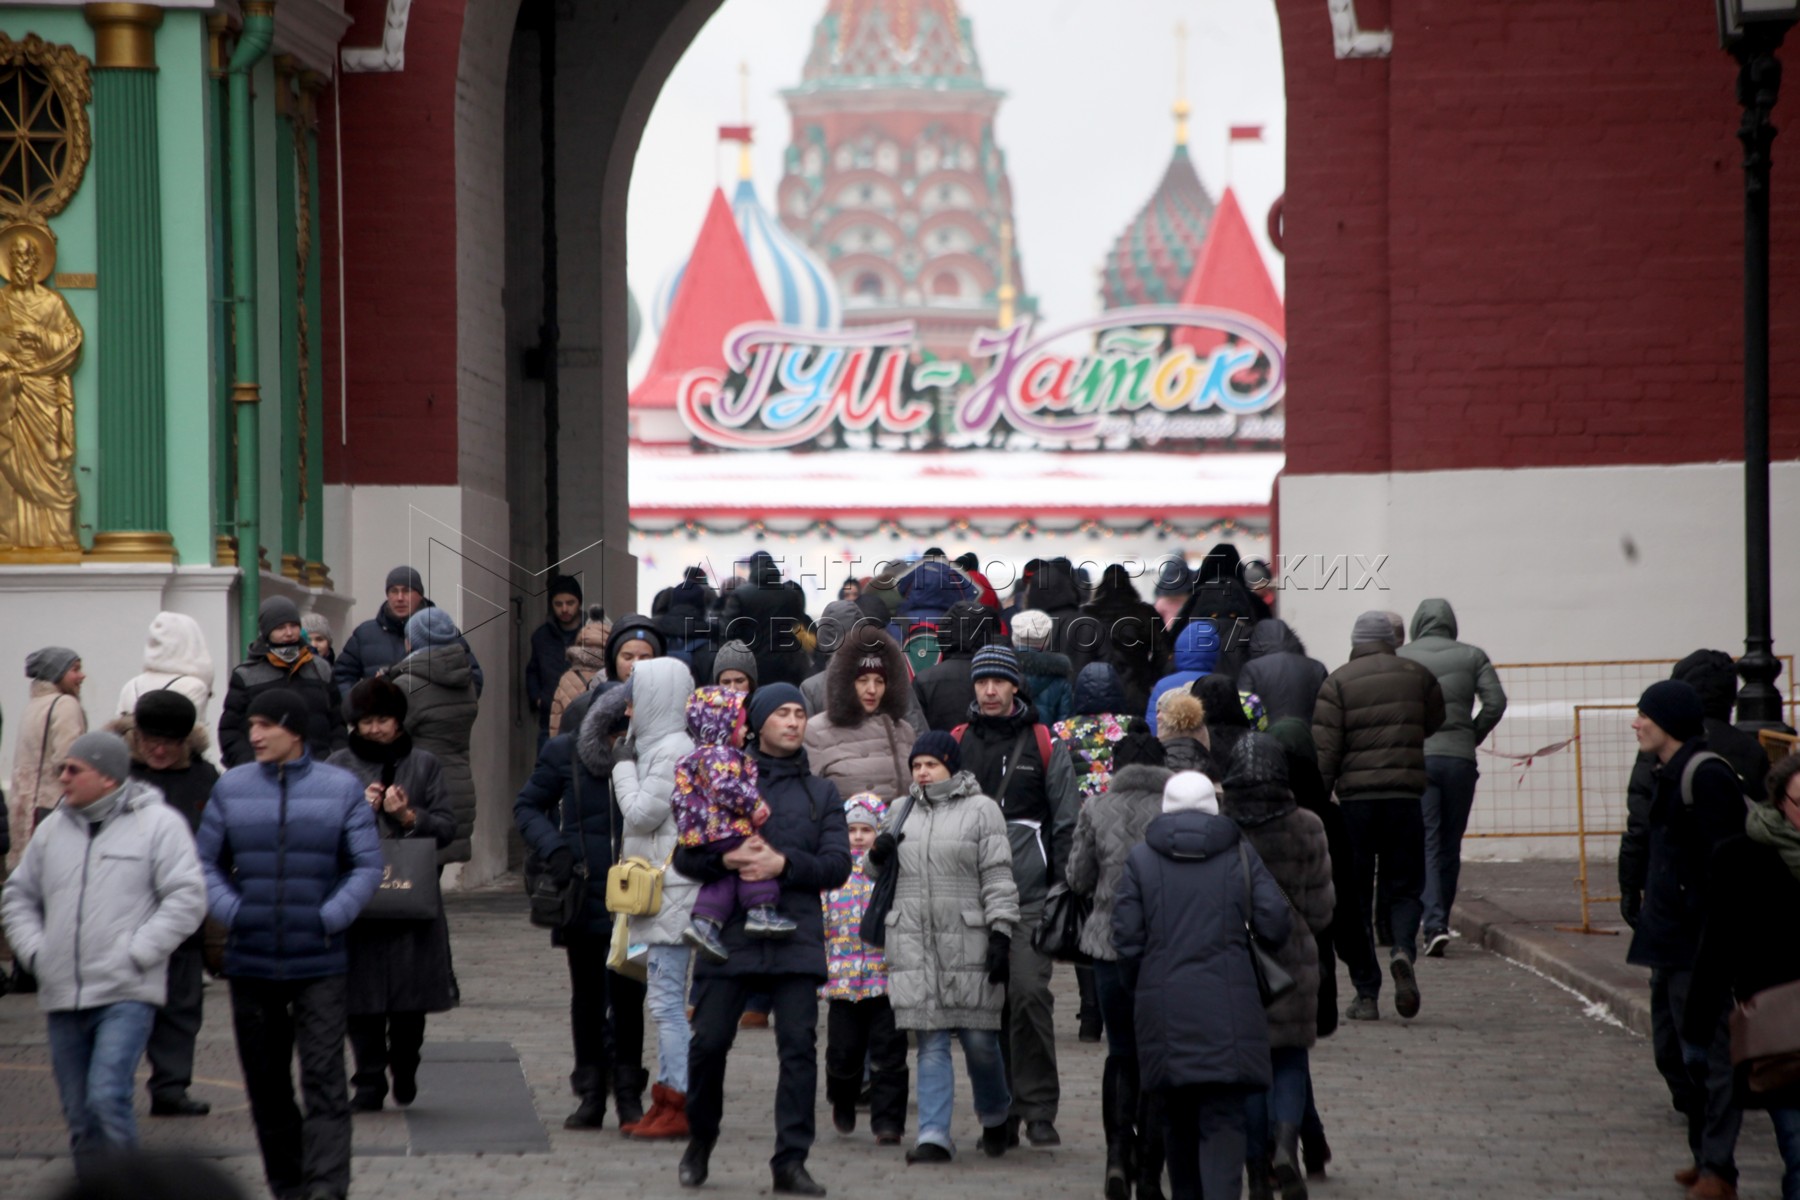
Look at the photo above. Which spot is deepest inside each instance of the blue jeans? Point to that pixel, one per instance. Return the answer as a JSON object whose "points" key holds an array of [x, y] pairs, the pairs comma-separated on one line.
{"points": [[1787, 1140], [1283, 1104], [1449, 797], [937, 1081], [95, 1053], [667, 987]]}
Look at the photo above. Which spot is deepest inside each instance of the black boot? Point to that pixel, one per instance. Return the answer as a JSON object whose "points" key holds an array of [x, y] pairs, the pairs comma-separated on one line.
{"points": [[1315, 1151], [1288, 1176], [1117, 1120], [695, 1163], [628, 1094], [589, 1114], [1149, 1147]]}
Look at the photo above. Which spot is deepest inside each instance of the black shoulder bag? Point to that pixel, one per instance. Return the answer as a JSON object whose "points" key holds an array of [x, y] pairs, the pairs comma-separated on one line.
{"points": [[1272, 981], [881, 896], [554, 906]]}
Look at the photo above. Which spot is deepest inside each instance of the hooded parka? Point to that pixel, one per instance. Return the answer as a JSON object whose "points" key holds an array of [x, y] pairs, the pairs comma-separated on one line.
{"points": [[862, 751], [955, 886], [643, 779], [1463, 672], [176, 658], [1280, 672], [441, 703]]}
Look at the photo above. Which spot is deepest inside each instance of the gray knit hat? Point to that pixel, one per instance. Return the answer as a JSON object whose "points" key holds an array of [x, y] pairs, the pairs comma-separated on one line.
{"points": [[105, 752], [1372, 626], [734, 656], [51, 663]]}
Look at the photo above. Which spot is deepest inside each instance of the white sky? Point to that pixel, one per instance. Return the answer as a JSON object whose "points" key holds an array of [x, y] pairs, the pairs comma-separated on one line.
{"points": [[1085, 124]]}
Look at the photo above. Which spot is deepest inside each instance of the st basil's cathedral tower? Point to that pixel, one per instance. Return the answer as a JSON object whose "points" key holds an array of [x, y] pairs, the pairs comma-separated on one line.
{"points": [[893, 175]]}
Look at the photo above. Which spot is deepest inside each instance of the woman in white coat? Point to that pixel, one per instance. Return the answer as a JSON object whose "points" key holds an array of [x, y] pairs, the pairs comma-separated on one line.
{"points": [[176, 658], [643, 780]]}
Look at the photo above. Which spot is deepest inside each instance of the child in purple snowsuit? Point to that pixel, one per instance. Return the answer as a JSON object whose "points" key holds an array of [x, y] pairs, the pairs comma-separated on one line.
{"points": [[716, 804]]}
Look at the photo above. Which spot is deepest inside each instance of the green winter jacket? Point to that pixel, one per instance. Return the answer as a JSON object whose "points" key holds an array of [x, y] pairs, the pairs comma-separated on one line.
{"points": [[1464, 672]]}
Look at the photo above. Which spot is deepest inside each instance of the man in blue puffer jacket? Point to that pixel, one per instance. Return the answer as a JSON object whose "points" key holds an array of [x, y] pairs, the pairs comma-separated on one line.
{"points": [[291, 856]]}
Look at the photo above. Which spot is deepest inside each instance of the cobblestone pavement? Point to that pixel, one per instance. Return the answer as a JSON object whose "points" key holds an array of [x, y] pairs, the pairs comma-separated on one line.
{"points": [[1502, 1088]]}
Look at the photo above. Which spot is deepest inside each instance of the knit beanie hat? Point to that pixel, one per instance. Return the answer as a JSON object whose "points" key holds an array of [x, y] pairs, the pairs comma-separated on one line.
{"points": [[282, 707], [430, 627], [376, 697], [938, 744], [1676, 707], [405, 577], [874, 663], [565, 585], [164, 713], [996, 662], [103, 751], [1031, 629], [734, 656], [865, 808], [275, 612], [1372, 626], [1397, 623], [51, 663], [765, 700], [1138, 746], [1190, 791]]}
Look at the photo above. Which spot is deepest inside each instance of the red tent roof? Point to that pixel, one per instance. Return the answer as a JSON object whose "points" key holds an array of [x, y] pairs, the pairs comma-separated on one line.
{"points": [[1230, 274], [719, 291]]}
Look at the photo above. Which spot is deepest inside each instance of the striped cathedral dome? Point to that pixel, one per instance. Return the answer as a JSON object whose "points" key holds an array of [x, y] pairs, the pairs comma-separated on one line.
{"points": [[799, 288], [1152, 259]]}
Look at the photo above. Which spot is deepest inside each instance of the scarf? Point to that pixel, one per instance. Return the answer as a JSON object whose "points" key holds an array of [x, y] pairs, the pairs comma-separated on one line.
{"points": [[1765, 825], [96, 813], [289, 657], [387, 754]]}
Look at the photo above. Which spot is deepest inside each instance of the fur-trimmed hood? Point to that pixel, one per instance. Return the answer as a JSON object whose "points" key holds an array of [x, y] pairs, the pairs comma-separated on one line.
{"points": [[841, 706], [601, 718], [194, 748]]}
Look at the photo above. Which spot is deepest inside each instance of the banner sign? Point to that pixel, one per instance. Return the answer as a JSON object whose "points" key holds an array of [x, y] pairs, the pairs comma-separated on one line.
{"points": [[786, 386]]}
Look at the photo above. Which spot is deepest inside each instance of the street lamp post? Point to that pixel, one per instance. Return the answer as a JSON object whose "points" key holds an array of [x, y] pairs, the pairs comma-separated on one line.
{"points": [[1752, 31]]}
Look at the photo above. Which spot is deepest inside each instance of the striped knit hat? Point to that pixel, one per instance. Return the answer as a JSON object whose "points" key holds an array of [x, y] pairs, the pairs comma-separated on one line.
{"points": [[997, 662]]}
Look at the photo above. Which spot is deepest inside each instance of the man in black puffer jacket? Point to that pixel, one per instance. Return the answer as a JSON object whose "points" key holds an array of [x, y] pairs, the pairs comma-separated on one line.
{"points": [[946, 691], [280, 658], [805, 846], [1370, 724], [1280, 673]]}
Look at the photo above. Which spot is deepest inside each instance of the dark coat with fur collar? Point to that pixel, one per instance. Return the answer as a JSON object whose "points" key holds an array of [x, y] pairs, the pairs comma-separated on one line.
{"points": [[858, 751]]}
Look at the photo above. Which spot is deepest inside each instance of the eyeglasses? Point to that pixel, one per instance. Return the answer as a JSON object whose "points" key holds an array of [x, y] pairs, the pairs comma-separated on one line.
{"points": [[71, 768]]}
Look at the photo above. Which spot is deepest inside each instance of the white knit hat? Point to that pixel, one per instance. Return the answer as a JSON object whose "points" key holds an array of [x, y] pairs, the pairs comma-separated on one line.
{"points": [[1190, 791], [1031, 629]]}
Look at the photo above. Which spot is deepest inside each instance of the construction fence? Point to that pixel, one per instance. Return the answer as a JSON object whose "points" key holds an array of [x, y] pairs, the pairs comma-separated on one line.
{"points": [[1554, 773]]}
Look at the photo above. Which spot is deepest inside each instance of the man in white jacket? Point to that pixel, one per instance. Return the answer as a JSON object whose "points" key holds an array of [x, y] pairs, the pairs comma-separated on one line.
{"points": [[108, 888]]}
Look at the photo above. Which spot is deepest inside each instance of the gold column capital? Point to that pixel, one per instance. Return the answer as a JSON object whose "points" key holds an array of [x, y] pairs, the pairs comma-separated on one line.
{"points": [[124, 35]]}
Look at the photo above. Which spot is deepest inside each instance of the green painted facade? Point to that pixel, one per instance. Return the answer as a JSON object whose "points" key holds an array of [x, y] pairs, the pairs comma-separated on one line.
{"points": [[195, 461]]}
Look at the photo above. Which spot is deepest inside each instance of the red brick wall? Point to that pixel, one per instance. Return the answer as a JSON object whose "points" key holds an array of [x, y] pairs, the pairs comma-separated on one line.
{"points": [[1518, 241], [399, 248]]}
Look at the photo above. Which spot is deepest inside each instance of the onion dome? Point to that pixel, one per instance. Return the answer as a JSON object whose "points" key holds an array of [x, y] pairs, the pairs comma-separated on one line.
{"points": [[898, 43], [796, 282], [1154, 257]]}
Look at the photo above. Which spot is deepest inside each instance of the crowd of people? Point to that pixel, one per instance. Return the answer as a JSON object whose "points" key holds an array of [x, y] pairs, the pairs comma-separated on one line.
{"points": [[909, 810]]}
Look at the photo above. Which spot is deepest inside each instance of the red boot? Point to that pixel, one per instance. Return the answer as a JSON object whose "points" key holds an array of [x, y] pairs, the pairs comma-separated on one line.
{"points": [[669, 1119]]}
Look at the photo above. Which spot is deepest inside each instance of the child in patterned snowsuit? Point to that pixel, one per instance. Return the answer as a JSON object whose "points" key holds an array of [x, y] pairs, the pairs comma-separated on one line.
{"points": [[716, 804], [860, 1025]]}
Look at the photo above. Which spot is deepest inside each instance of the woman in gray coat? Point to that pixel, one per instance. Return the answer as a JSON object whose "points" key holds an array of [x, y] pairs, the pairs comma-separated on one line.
{"points": [[442, 699], [1111, 825], [1291, 843], [1188, 894], [949, 939]]}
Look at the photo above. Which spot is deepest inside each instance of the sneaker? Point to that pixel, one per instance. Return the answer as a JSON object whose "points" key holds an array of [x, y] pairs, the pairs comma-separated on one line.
{"points": [[843, 1120], [927, 1152], [1363, 1008], [994, 1140], [1436, 944], [766, 921], [703, 935], [1406, 988]]}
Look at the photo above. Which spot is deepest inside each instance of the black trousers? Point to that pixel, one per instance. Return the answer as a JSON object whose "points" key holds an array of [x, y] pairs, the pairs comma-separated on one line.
{"points": [[863, 1030], [1203, 1128], [1386, 836], [606, 1015], [272, 1018], [171, 1048], [794, 1005], [382, 1041]]}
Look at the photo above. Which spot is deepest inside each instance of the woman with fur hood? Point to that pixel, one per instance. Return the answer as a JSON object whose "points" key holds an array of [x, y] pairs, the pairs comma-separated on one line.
{"points": [[587, 662], [861, 744], [175, 657], [643, 779], [1291, 843]]}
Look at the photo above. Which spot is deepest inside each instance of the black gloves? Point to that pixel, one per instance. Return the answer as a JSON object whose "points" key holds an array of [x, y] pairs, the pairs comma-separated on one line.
{"points": [[1630, 905], [885, 847], [999, 957], [561, 865]]}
